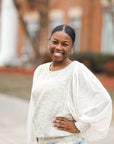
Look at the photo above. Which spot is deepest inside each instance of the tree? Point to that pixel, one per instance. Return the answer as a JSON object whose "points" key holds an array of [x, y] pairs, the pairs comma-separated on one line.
{"points": [[110, 5], [42, 8]]}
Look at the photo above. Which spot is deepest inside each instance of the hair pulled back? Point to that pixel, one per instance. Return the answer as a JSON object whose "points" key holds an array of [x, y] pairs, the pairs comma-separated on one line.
{"points": [[68, 29]]}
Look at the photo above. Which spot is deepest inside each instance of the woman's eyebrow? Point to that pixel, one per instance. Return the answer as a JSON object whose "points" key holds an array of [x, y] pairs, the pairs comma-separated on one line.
{"points": [[67, 41], [57, 40], [54, 39]]}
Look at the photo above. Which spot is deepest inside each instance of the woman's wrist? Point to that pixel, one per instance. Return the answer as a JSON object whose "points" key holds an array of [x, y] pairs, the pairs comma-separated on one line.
{"points": [[82, 126], [77, 130]]}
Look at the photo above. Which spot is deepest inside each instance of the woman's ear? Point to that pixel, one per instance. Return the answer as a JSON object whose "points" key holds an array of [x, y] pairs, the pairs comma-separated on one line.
{"points": [[71, 49], [48, 42]]}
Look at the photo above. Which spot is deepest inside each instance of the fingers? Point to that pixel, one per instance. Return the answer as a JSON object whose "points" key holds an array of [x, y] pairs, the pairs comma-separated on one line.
{"points": [[64, 129], [61, 119], [65, 125], [60, 126], [61, 123]]}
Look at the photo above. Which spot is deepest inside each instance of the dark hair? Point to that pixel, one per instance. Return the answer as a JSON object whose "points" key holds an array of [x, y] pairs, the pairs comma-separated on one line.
{"points": [[68, 29]]}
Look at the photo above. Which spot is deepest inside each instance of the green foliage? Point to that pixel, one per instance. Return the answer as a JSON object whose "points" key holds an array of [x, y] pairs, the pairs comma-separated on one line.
{"points": [[94, 61]]}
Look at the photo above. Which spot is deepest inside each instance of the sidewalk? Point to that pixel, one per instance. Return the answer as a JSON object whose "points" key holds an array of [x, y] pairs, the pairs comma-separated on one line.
{"points": [[13, 121], [13, 117]]}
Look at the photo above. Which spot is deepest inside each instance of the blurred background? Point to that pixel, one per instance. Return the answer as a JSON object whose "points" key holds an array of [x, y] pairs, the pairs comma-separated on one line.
{"points": [[25, 27]]}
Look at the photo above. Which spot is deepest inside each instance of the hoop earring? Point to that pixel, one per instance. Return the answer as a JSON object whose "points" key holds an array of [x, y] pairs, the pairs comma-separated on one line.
{"points": [[48, 48], [71, 52]]}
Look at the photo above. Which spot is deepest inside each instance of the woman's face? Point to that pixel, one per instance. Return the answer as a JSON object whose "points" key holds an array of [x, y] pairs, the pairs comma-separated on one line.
{"points": [[60, 45]]}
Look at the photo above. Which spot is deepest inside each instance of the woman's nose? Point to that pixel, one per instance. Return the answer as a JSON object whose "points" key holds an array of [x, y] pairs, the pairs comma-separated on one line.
{"points": [[58, 46]]}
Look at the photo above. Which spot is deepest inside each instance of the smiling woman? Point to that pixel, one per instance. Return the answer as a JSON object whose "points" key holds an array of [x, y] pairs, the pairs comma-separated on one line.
{"points": [[60, 45], [68, 103]]}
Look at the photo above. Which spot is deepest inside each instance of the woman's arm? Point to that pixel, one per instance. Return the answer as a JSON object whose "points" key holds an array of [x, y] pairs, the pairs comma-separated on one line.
{"points": [[91, 102], [30, 136]]}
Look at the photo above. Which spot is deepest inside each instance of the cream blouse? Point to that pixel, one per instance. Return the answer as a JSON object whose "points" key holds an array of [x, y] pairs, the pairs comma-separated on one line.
{"points": [[88, 102]]}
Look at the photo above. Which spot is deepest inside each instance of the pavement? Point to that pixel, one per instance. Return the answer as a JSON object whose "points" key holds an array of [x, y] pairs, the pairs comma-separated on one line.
{"points": [[13, 122]]}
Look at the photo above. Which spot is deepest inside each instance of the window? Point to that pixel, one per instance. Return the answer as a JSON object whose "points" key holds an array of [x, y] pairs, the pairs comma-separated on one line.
{"points": [[55, 23], [76, 24], [32, 27], [107, 37], [56, 18]]}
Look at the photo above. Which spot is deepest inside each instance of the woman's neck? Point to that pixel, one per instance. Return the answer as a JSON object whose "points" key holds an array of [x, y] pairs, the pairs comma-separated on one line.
{"points": [[59, 65]]}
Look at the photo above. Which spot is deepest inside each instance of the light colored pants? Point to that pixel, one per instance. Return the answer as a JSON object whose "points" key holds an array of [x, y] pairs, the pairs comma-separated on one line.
{"points": [[83, 142], [62, 140]]}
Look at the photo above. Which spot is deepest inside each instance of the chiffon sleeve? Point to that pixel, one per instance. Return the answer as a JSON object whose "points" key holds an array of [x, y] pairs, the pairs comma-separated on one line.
{"points": [[30, 136], [91, 104]]}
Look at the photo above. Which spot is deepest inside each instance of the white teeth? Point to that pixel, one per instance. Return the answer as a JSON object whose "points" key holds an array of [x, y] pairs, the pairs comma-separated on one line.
{"points": [[58, 54]]}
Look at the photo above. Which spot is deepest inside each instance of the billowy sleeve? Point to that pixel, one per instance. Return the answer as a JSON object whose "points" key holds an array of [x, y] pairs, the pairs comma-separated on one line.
{"points": [[90, 104], [30, 137]]}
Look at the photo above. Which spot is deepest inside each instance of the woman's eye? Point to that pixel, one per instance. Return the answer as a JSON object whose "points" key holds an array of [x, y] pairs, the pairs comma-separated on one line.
{"points": [[65, 45], [54, 42]]}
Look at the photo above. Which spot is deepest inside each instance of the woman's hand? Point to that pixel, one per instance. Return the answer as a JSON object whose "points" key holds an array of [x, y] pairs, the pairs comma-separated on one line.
{"points": [[65, 125]]}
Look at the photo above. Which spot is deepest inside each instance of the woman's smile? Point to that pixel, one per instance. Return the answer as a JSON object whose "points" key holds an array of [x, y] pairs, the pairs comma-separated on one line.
{"points": [[60, 46], [57, 54]]}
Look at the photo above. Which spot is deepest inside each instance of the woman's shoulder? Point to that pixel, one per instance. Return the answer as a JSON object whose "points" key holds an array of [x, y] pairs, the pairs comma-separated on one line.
{"points": [[80, 68], [78, 65], [42, 67]]}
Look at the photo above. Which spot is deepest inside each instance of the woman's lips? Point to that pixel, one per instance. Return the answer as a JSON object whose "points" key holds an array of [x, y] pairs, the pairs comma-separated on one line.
{"points": [[57, 54]]}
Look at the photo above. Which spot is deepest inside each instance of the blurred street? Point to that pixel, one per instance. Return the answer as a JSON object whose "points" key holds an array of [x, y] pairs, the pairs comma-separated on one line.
{"points": [[13, 121], [13, 117]]}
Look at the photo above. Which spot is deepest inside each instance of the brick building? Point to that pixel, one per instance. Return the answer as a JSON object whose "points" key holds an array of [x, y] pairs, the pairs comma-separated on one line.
{"points": [[91, 20]]}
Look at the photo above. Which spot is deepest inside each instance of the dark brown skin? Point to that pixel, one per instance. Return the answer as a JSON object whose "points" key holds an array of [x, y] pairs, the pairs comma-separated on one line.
{"points": [[60, 45], [65, 125]]}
